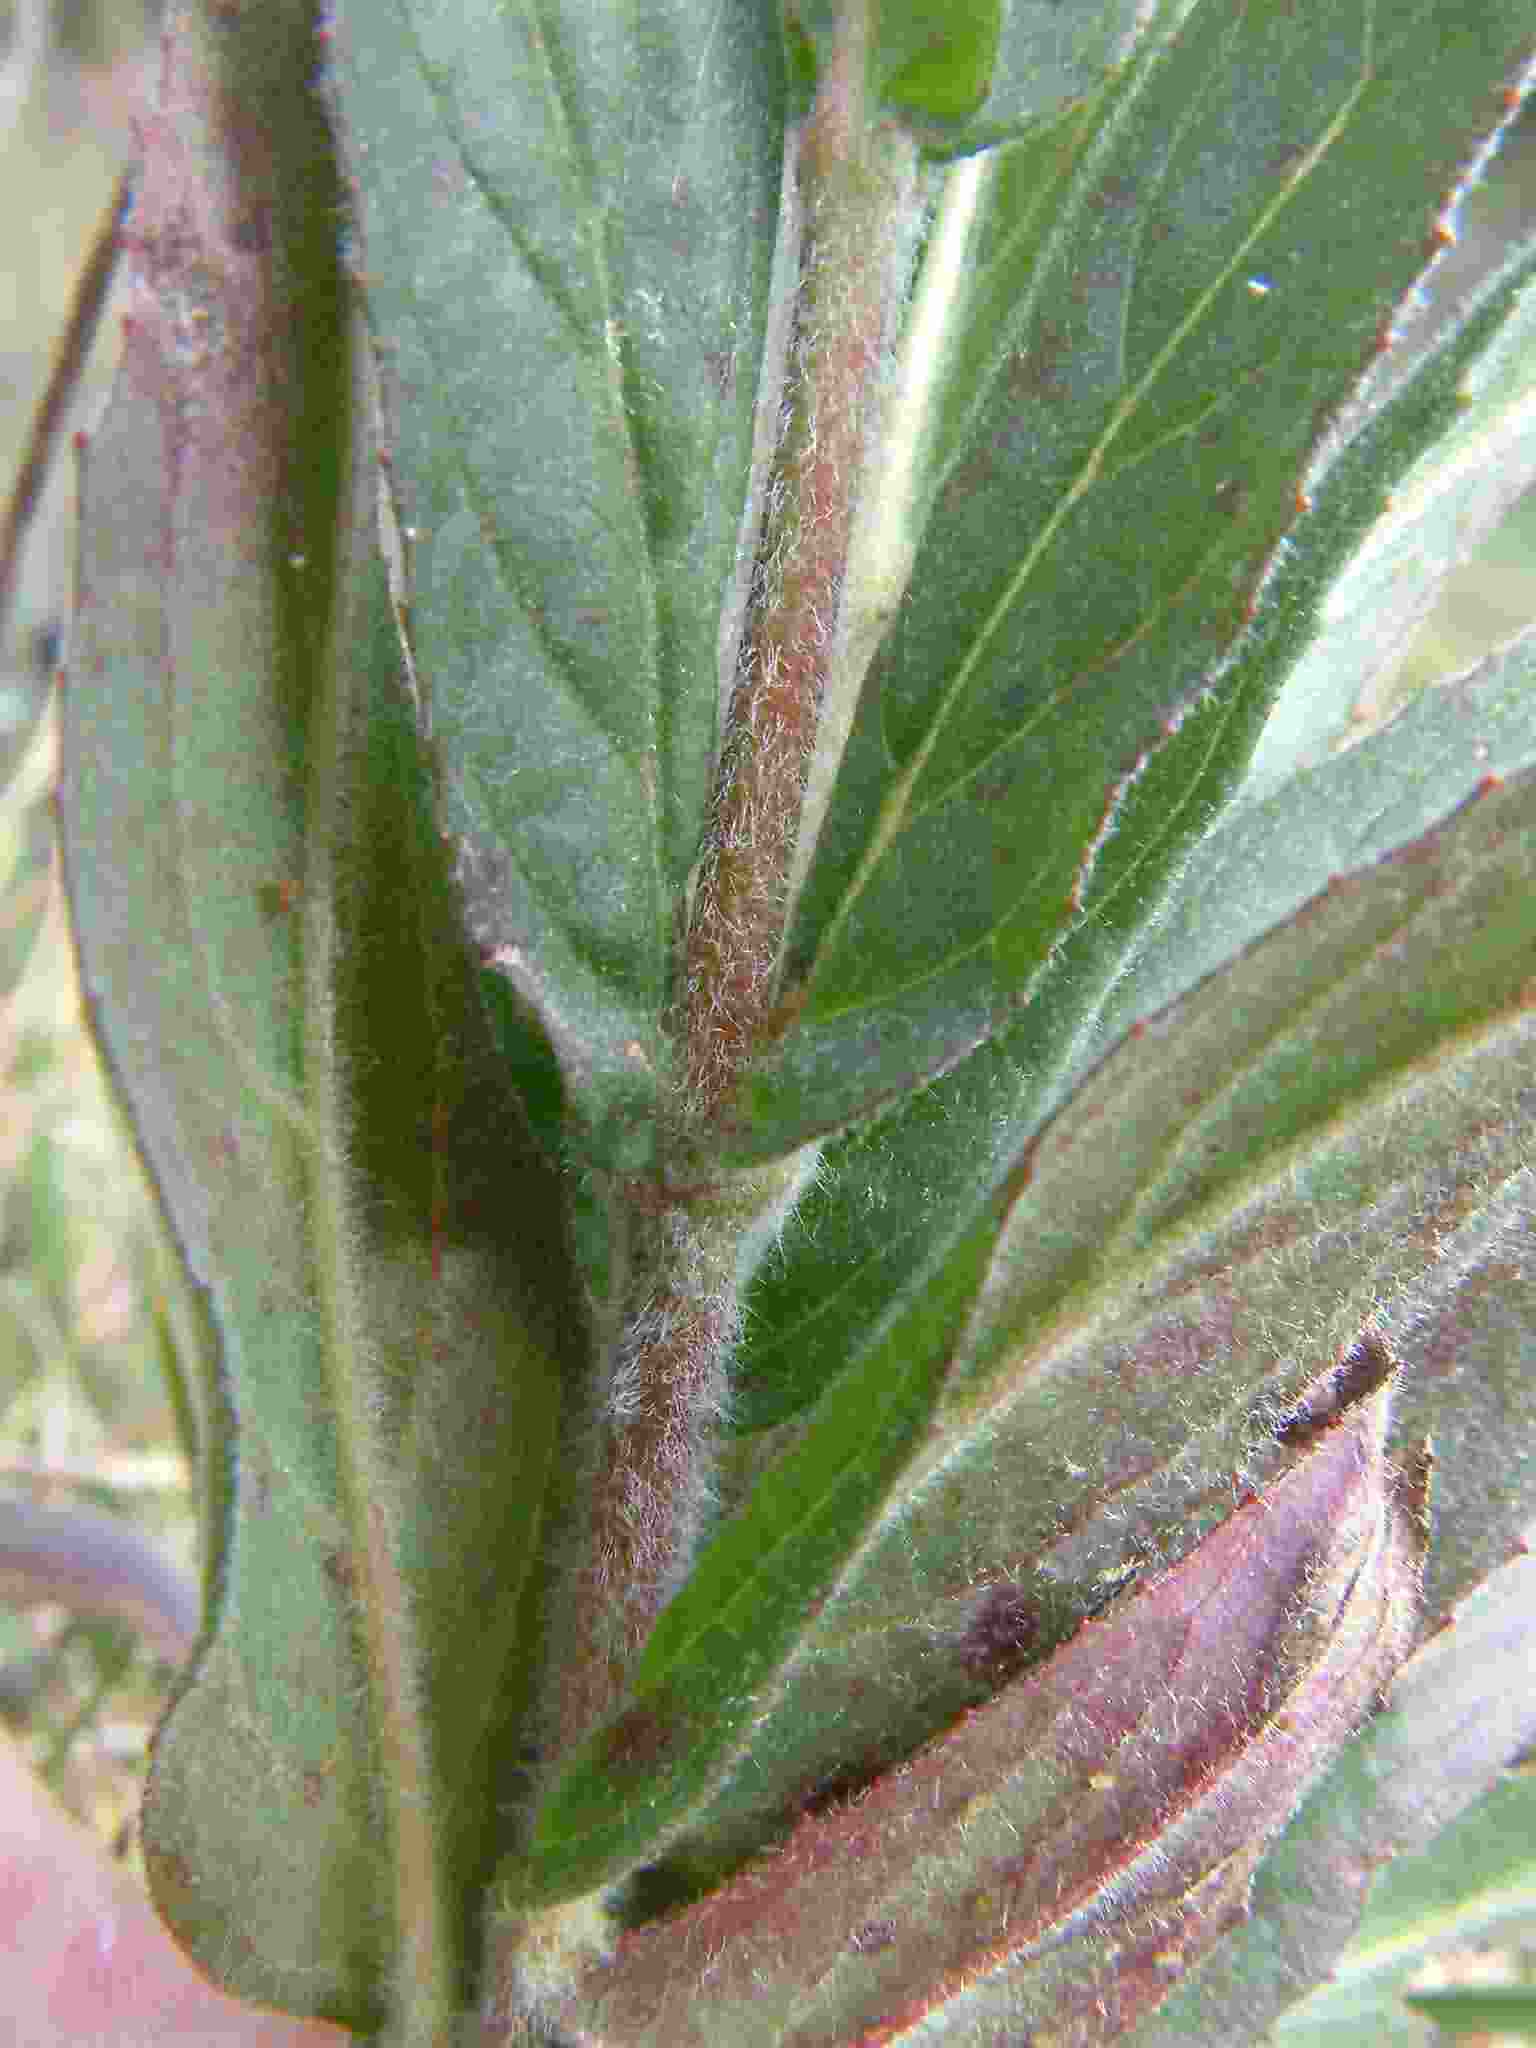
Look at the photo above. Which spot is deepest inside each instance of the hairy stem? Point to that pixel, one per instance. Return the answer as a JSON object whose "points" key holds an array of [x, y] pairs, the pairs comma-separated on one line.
{"points": [[695, 1234], [857, 192]]}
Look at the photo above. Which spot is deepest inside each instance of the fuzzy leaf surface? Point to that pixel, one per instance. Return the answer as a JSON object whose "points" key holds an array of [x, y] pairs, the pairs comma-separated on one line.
{"points": [[1333, 1133], [278, 979], [1424, 1790], [1063, 1854], [1445, 506], [1135, 391], [1122, 1333], [567, 224], [893, 1195]]}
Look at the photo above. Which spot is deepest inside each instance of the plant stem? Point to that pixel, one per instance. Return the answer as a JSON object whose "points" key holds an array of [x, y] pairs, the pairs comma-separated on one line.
{"points": [[857, 188], [696, 1234]]}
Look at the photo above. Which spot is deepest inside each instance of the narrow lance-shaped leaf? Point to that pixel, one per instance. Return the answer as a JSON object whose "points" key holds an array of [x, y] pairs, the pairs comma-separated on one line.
{"points": [[1132, 394], [964, 74], [273, 956], [1332, 1130], [1433, 519], [1418, 1822], [566, 228], [890, 1197], [1064, 1854]]}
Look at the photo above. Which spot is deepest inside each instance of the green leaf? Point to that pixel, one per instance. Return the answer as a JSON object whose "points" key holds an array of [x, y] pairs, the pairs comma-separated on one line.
{"points": [[891, 1197], [1263, 858], [1492, 2009], [1087, 642], [566, 230], [694, 1694], [1049, 56], [1331, 1135], [923, 57], [965, 76], [1443, 508], [273, 957]]}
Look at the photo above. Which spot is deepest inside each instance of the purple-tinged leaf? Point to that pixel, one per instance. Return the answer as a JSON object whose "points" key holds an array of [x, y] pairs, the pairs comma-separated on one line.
{"points": [[1062, 1856]]}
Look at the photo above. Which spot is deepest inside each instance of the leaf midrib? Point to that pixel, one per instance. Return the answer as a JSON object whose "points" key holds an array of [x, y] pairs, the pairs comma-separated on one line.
{"points": [[897, 806]]}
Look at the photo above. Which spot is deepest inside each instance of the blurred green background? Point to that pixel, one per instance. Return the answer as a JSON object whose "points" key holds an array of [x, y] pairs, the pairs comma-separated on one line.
{"points": [[88, 1297]]}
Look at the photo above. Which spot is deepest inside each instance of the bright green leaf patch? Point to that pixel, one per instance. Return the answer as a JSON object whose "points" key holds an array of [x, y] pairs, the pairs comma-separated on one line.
{"points": [[965, 75], [1489, 2009], [933, 58], [944, 61]]}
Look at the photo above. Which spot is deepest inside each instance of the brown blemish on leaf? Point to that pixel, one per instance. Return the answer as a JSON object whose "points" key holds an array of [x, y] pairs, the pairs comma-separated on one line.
{"points": [[1231, 498], [1001, 1635], [1365, 1367], [647, 1734], [1035, 373]]}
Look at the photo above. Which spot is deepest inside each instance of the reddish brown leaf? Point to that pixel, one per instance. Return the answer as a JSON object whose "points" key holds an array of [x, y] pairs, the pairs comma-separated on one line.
{"points": [[1064, 1854]]}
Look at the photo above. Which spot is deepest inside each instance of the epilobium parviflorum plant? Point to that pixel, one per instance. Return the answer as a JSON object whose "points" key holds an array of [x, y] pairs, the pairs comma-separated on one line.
{"points": [[860, 1207]]}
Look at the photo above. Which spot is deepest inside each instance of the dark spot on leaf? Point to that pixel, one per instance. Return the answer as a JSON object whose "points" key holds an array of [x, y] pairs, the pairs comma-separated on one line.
{"points": [[1231, 497], [651, 1732], [842, 1788], [1367, 1365], [1034, 373], [1002, 1634]]}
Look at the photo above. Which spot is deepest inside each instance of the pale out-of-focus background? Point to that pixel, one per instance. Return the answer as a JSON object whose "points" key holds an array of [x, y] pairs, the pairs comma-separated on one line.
{"points": [[87, 1296]]}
